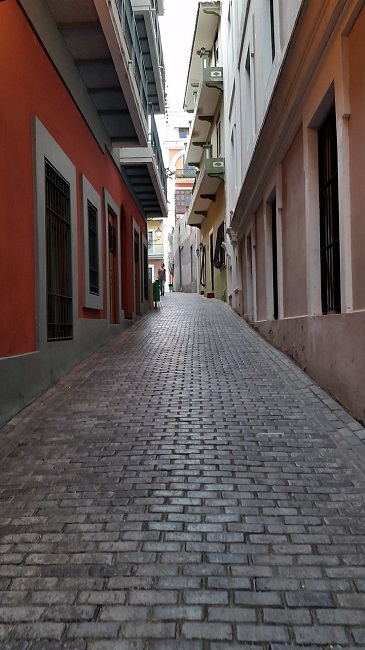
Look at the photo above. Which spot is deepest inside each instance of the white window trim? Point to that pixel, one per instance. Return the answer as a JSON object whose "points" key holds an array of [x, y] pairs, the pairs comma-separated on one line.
{"points": [[91, 301]]}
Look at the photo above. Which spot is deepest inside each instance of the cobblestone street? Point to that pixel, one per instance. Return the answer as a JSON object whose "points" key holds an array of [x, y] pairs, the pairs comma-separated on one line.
{"points": [[185, 488]]}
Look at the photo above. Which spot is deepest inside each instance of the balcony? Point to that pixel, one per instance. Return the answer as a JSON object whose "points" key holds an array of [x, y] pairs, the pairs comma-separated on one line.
{"points": [[206, 185], [155, 239], [187, 172], [145, 173], [146, 14], [95, 47], [204, 85], [155, 251], [207, 94]]}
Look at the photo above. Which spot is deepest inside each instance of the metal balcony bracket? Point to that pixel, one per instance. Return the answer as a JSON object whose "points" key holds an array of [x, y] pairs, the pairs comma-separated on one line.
{"points": [[220, 176], [215, 84], [210, 197], [202, 213], [215, 11], [206, 118], [232, 235]]}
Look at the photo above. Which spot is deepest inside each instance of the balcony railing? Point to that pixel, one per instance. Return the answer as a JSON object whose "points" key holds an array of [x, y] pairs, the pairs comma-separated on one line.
{"points": [[156, 147], [129, 29], [187, 172], [155, 249]]}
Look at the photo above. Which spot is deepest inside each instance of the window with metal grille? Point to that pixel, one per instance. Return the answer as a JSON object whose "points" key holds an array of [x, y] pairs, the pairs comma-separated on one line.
{"points": [[329, 215], [182, 200], [92, 215], [58, 256]]}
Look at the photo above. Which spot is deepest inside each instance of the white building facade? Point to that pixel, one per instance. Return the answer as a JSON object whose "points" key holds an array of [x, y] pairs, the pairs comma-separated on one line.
{"points": [[294, 147]]}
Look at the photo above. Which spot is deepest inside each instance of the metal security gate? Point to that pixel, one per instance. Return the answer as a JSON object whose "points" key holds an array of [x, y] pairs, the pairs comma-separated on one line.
{"points": [[58, 256]]}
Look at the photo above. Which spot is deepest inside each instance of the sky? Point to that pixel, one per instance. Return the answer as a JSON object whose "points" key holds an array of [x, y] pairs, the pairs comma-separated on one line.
{"points": [[177, 29]]}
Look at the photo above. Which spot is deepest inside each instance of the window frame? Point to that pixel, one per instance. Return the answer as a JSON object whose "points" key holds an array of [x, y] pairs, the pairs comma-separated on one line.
{"points": [[57, 216], [45, 147], [219, 256], [329, 215], [90, 195], [182, 194]]}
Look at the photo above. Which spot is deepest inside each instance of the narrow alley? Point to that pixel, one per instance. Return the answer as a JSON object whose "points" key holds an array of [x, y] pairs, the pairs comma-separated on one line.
{"points": [[186, 487]]}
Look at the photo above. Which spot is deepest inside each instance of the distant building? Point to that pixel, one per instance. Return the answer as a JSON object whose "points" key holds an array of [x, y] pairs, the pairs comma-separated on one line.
{"points": [[204, 103], [182, 239], [156, 247]]}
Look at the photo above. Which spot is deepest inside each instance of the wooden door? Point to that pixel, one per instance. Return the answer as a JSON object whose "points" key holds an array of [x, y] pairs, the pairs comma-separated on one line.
{"points": [[113, 267], [211, 251], [137, 275]]}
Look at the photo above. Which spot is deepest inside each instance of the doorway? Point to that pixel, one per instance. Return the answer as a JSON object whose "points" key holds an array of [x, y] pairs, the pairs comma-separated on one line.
{"points": [[211, 258], [274, 249], [113, 267], [137, 279], [249, 270]]}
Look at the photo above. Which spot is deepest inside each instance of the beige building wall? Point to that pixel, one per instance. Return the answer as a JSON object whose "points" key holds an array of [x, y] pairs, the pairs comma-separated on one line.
{"points": [[324, 66], [260, 252], [293, 231], [210, 224], [356, 126]]}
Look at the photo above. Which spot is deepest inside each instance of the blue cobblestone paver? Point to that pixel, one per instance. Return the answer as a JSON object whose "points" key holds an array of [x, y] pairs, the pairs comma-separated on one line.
{"points": [[187, 487]]}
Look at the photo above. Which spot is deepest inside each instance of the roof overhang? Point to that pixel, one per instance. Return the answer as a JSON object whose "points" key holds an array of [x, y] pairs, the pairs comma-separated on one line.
{"points": [[150, 40], [139, 167], [93, 35], [206, 26], [209, 92]]}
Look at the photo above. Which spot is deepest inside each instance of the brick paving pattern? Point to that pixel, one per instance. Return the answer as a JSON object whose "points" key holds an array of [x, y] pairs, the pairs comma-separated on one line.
{"points": [[185, 488]]}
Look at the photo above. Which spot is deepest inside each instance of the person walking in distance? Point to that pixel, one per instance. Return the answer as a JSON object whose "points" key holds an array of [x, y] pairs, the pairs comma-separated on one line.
{"points": [[161, 274]]}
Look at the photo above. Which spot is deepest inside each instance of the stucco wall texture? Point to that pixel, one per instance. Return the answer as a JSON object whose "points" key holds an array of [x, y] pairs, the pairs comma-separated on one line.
{"points": [[33, 88], [330, 348]]}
